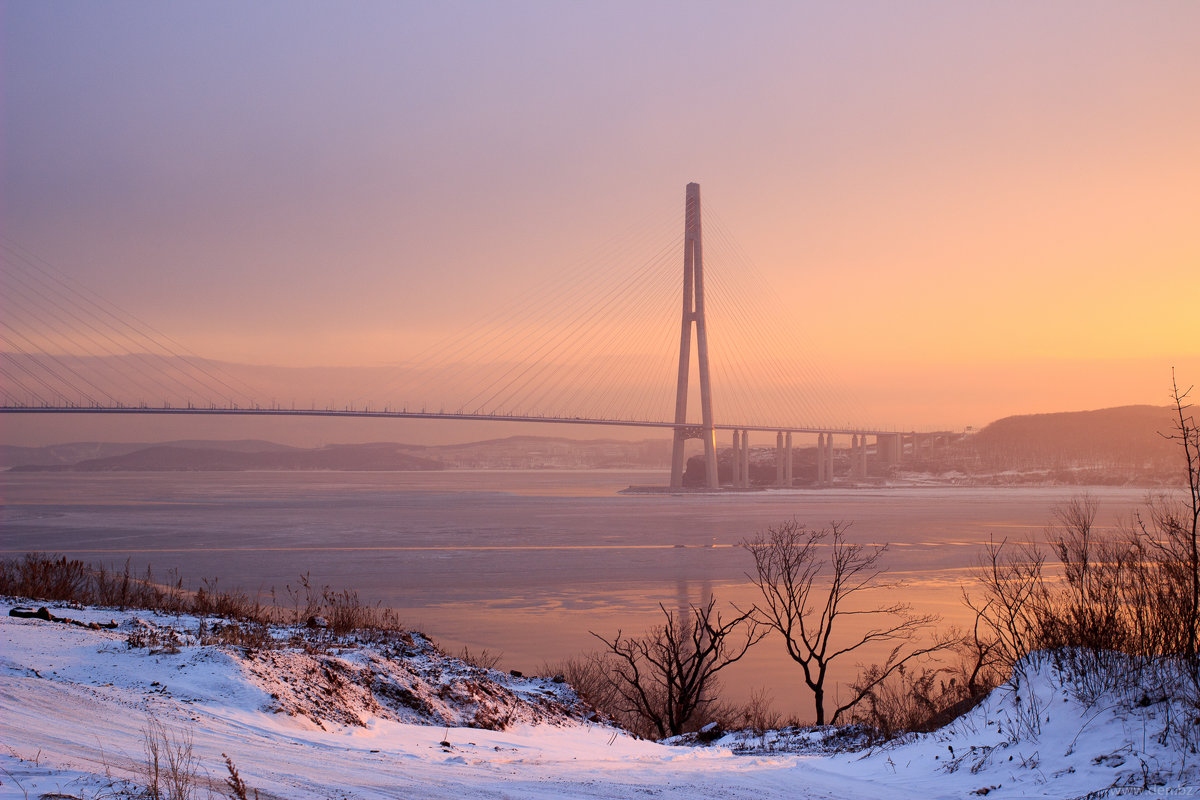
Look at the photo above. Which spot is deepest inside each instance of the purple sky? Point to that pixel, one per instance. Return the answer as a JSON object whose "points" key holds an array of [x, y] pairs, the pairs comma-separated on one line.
{"points": [[1000, 191]]}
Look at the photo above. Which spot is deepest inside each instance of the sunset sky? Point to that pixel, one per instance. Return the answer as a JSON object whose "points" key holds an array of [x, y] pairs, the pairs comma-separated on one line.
{"points": [[964, 210]]}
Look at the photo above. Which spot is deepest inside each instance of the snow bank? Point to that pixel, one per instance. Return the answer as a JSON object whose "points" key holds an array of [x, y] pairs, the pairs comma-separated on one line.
{"points": [[1031, 737], [75, 703]]}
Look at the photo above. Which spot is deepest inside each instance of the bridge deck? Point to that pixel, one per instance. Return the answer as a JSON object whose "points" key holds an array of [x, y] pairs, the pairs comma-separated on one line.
{"points": [[423, 414]]}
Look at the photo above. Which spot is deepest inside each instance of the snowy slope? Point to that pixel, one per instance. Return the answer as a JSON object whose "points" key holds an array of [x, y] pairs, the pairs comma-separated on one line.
{"points": [[75, 703]]}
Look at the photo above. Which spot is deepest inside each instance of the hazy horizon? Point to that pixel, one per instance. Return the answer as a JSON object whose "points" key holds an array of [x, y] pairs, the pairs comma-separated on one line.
{"points": [[37, 430]]}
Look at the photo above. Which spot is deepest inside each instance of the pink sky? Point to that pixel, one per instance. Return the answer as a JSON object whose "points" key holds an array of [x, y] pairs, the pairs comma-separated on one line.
{"points": [[963, 210]]}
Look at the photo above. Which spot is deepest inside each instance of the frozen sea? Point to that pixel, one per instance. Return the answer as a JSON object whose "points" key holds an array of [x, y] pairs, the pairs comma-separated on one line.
{"points": [[523, 563]]}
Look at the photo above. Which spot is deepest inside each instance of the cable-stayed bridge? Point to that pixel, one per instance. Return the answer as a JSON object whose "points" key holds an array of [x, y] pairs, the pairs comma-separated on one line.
{"points": [[598, 346]]}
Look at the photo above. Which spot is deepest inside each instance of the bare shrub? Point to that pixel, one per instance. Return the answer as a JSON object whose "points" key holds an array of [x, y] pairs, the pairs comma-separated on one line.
{"points": [[342, 612], [1180, 525], [174, 598], [162, 640], [908, 700], [170, 766], [1125, 611], [123, 589], [977, 667], [44, 577], [346, 613], [483, 659], [758, 714], [591, 675], [250, 635], [666, 680], [306, 601], [1169, 545], [1008, 618], [1090, 607], [209, 599]]}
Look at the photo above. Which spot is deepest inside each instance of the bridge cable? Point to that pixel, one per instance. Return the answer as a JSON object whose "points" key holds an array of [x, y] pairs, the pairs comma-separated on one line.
{"points": [[141, 329], [584, 379], [55, 312], [546, 349], [67, 366], [501, 326]]}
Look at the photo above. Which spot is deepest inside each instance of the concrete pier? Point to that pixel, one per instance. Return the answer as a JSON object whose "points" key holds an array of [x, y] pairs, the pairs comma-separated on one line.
{"points": [[787, 460], [890, 448], [820, 459], [829, 458], [779, 458], [735, 461], [745, 459]]}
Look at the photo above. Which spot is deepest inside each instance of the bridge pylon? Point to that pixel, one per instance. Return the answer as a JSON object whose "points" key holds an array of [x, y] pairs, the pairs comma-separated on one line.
{"points": [[693, 312]]}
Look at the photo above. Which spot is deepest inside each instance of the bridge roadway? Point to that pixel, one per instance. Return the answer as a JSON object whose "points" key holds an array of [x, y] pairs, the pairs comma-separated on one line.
{"points": [[406, 414]]}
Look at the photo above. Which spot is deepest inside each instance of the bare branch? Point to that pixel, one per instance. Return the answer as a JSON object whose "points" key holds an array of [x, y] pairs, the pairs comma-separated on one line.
{"points": [[804, 593], [667, 678]]}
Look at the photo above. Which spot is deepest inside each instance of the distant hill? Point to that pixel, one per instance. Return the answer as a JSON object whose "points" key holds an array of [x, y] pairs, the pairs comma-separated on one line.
{"points": [[517, 452], [1123, 437], [175, 458], [73, 453]]}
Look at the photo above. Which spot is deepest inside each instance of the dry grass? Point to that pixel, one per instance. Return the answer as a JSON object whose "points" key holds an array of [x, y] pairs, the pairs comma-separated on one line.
{"points": [[758, 715], [171, 767], [484, 659], [318, 616], [238, 789], [43, 577]]}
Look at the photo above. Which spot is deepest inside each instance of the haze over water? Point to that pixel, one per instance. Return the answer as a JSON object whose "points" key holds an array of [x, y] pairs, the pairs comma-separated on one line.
{"points": [[524, 563]]}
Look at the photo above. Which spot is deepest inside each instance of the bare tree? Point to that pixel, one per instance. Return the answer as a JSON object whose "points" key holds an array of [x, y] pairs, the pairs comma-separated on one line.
{"points": [[668, 677], [1170, 528], [979, 662], [1092, 599], [805, 596], [1185, 525], [1008, 621]]}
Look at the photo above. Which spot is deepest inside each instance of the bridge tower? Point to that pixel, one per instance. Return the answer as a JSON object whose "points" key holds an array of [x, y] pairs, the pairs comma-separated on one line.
{"points": [[693, 311]]}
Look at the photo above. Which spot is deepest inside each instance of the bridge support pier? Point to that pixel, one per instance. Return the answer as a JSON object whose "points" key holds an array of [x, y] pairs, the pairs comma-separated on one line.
{"points": [[890, 448], [787, 462], [829, 458], [859, 456], [735, 461], [820, 459], [745, 459], [779, 458]]}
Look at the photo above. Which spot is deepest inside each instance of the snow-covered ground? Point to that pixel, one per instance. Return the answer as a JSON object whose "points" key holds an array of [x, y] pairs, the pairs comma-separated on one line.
{"points": [[76, 703]]}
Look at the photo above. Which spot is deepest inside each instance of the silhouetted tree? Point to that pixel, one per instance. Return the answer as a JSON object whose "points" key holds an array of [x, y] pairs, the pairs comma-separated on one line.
{"points": [[805, 577], [668, 677], [1171, 527]]}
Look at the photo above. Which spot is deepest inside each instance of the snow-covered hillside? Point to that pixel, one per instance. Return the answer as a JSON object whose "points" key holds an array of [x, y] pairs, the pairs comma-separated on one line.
{"points": [[393, 721]]}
